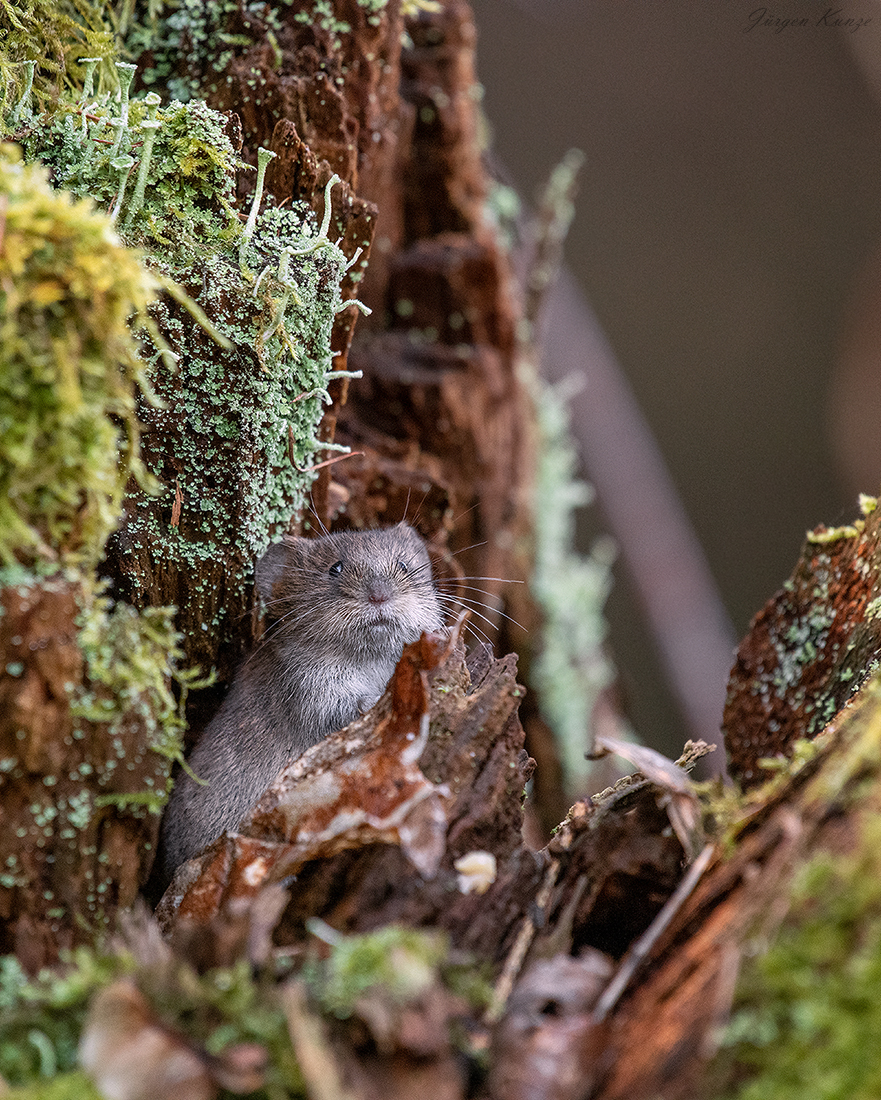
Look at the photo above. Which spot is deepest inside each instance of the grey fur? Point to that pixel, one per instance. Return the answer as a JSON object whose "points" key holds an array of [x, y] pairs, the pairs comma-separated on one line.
{"points": [[326, 660]]}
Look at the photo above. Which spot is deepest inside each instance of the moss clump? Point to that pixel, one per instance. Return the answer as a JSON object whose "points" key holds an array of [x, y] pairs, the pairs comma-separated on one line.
{"points": [[42, 1019], [68, 1086], [58, 35], [401, 961], [68, 367], [398, 964], [809, 1012]]}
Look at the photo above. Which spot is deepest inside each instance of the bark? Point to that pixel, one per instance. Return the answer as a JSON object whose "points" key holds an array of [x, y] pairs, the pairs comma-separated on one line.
{"points": [[69, 861]]}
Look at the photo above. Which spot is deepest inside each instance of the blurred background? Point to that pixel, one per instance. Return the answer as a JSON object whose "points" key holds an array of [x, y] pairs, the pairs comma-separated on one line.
{"points": [[726, 238]]}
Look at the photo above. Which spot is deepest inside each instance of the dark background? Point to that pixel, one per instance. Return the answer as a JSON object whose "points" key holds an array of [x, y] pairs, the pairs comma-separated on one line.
{"points": [[729, 206]]}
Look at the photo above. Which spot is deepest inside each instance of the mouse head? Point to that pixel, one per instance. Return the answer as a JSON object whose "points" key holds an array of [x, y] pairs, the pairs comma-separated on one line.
{"points": [[365, 589]]}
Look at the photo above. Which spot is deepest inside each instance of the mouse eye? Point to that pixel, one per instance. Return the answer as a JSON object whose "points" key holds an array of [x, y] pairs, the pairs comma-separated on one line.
{"points": [[402, 565], [336, 569]]}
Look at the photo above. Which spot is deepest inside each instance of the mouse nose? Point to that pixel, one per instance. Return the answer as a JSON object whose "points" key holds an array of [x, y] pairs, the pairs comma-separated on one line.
{"points": [[378, 591]]}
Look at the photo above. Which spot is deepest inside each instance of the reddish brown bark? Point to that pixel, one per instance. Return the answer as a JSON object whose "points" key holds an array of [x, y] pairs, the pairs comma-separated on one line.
{"points": [[69, 864], [809, 649]]}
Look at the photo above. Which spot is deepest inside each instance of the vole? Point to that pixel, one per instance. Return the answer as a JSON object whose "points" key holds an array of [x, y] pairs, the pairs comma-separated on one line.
{"points": [[346, 604]]}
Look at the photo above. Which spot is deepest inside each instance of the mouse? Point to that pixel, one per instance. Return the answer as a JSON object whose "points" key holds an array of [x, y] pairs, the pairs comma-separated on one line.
{"points": [[343, 607]]}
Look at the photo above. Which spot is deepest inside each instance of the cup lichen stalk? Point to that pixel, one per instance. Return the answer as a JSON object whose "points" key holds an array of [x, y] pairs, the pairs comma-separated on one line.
{"points": [[118, 125], [323, 393], [25, 99], [149, 128], [357, 303], [122, 166], [89, 64], [126, 75], [264, 156], [290, 291], [321, 239], [151, 102]]}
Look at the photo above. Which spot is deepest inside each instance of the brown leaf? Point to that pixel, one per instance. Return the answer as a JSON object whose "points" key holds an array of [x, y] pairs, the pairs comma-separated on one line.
{"points": [[131, 1054]]}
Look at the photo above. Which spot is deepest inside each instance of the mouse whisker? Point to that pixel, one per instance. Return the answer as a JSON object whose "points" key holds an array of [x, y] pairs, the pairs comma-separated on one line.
{"points": [[473, 604], [455, 580]]}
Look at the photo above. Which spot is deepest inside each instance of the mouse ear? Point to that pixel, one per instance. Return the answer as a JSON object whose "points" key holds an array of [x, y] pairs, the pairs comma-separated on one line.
{"points": [[278, 559]]}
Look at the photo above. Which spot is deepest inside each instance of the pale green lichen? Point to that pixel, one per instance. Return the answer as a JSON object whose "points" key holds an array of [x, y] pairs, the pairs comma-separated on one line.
{"points": [[131, 659], [211, 45], [571, 667]]}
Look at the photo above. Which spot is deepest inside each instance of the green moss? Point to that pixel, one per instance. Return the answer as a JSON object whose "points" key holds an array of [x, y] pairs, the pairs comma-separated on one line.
{"points": [[41, 1021], [808, 1012], [401, 961], [395, 962], [58, 35], [68, 367], [833, 534], [67, 1086]]}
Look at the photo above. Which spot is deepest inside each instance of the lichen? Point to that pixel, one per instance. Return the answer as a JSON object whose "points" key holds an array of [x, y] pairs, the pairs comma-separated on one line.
{"points": [[186, 207], [255, 410], [571, 667], [211, 43], [131, 660]]}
